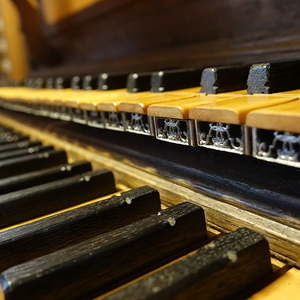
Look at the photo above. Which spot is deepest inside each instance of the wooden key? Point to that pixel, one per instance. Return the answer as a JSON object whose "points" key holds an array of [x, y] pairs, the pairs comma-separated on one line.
{"points": [[138, 82], [62, 83], [109, 259], [224, 79], [276, 133], [24, 152], [281, 117], [76, 83], [112, 81], [26, 180], [19, 145], [90, 82], [175, 79], [273, 77], [228, 116], [171, 118], [33, 162], [43, 199], [11, 138], [46, 235], [219, 270]]}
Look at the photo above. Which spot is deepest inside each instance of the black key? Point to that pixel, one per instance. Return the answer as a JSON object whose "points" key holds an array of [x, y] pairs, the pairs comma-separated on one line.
{"points": [[273, 77], [30, 179], [138, 82], [4, 135], [43, 199], [62, 83], [109, 259], [163, 81], [19, 145], [50, 83], [12, 138], [224, 79], [38, 83], [24, 152], [50, 234], [33, 162], [76, 83], [112, 81], [220, 270], [90, 82]]}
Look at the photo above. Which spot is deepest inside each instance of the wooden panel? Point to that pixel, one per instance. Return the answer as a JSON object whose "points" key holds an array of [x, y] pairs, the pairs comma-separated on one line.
{"points": [[56, 10], [164, 34], [13, 55], [284, 117]]}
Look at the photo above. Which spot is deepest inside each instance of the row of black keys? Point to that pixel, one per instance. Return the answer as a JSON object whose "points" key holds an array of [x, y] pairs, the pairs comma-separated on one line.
{"points": [[93, 248], [259, 78]]}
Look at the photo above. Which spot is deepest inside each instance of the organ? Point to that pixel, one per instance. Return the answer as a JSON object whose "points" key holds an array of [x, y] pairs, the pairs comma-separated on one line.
{"points": [[150, 150]]}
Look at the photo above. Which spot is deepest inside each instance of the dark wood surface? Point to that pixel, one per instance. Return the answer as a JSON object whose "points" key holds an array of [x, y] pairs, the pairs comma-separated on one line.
{"points": [[19, 145], [26, 180], [24, 152], [163, 81], [33, 162], [137, 35], [224, 79], [273, 77], [138, 82], [43, 199], [44, 236], [108, 259], [220, 270], [9, 138], [111, 81]]}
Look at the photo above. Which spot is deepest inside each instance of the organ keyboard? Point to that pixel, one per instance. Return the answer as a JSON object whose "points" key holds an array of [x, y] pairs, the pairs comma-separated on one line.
{"points": [[146, 155], [118, 242]]}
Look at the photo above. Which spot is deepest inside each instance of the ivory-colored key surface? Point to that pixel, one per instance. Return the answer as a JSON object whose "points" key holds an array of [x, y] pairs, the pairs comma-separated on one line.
{"points": [[234, 109], [283, 117], [140, 105]]}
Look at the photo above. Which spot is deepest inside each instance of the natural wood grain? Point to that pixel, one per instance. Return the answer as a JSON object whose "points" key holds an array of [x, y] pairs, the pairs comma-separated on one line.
{"points": [[43, 199], [283, 117], [235, 109], [40, 237], [284, 287], [109, 259], [284, 240], [221, 269]]}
